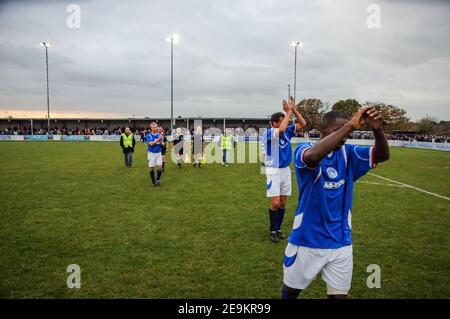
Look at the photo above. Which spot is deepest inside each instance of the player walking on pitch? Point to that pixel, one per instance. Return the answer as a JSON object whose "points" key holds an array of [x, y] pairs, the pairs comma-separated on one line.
{"points": [[326, 171], [278, 157], [178, 144], [163, 146], [197, 147], [154, 141]]}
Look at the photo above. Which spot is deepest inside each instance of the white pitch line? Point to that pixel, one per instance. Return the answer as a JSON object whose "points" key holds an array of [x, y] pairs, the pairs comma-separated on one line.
{"points": [[412, 187], [381, 184]]}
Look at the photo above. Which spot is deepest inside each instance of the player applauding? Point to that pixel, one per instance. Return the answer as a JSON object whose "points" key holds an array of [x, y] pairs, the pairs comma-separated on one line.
{"points": [[154, 140], [278, 157], [321, 238], [178, 141]]}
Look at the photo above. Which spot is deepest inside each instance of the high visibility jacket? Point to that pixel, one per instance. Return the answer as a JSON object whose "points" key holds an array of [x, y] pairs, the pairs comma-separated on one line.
{"points": [[127, 140], [226, 142]]}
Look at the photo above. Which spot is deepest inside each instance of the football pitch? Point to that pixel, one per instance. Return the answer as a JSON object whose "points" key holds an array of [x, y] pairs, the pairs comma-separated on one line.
{"points": [[204, 232]]}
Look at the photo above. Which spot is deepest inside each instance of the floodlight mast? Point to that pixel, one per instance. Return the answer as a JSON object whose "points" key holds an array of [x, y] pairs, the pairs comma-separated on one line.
{"points": [[46, 45], [295, 45], [172, 39]]}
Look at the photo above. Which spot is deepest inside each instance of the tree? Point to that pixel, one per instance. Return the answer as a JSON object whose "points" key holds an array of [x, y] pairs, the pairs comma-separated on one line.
{"points": [[312, 110], [442, 128], [394, 117], [348, 107], [425, 125]]}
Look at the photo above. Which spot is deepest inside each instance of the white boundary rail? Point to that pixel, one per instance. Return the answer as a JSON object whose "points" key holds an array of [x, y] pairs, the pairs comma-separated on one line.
{"points": [[295, 140]]}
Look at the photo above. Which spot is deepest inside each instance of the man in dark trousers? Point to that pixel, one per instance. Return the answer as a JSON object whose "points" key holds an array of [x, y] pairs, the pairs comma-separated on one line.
{"points": [[197, 147], [163, 146], [127, 142], [178, 141]]}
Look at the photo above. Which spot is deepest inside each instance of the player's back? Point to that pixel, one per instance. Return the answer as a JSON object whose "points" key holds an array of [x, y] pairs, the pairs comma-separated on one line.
{"points": [[278, 150]]}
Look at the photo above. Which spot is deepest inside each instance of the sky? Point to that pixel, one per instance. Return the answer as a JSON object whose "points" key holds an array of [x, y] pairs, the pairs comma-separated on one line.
{"points": [[233, 57]]}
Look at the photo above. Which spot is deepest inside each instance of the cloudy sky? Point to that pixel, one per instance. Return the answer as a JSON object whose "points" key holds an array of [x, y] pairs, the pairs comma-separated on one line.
{"points": [[233, 58]]}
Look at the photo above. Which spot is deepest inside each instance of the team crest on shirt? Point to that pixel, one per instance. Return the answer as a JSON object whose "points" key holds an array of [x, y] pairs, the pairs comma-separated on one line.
{"points": [[332, 173]]}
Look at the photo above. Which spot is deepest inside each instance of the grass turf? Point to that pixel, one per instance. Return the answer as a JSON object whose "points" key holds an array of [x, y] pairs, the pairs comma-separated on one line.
{"points": [[203, 234]]}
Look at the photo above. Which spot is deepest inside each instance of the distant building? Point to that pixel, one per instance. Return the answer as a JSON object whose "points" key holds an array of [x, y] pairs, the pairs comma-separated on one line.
{"points": [[135, 123]]}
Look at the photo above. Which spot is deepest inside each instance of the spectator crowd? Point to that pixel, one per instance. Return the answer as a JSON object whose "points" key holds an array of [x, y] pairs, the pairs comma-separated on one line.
{"points": [[250, 130]]}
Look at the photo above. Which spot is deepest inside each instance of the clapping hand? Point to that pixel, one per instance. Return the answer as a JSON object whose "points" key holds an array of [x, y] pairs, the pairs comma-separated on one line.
{"points": [[373, 118], [288, 105], [358, 118]]}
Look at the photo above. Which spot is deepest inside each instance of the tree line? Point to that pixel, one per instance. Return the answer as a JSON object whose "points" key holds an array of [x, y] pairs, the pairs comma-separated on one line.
{"points": [[395, 118]]}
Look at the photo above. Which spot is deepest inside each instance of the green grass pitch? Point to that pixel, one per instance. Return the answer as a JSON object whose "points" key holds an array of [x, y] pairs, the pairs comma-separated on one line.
{"points": [[203, 234]]}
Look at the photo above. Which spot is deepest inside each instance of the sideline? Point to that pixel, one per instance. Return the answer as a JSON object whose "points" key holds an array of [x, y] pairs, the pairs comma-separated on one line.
{"points": [[381, 184], [410, 186]]}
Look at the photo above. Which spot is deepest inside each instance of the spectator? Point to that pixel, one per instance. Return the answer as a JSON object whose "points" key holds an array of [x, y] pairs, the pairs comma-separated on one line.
{"points": [[127, 142]]}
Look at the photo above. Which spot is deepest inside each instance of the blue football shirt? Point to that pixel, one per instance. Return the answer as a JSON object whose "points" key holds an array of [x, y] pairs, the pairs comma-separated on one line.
{"points": [[155, 148], [278, 151], [324, 212]]}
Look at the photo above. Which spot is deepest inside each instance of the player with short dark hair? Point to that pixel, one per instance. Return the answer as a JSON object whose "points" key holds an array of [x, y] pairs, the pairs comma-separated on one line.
{"points": [[321, 240], [278, 157]]}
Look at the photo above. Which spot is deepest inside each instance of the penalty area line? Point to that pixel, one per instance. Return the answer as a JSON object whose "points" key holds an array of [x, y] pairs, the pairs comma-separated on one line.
{"points": [[410, 186]]}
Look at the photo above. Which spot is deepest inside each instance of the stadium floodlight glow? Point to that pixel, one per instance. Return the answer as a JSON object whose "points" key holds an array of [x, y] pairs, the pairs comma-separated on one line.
{"points": [[173, 38], [296, 44], [46, 45]]}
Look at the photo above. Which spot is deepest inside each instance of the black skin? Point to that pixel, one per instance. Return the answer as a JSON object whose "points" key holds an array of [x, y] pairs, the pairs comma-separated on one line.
{"points": [[334, 137]]}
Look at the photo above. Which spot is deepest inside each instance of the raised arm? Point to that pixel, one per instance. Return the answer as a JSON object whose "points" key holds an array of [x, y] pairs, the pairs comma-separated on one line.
{"points": [[381, 148], [285, 122], [323, 147], [300, 121]]}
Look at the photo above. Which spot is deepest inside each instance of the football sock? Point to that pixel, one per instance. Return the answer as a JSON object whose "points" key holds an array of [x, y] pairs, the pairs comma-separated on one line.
{"points": [[286, 295], [158, 176], [152, 176], [272, 220], [280, 217]]}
